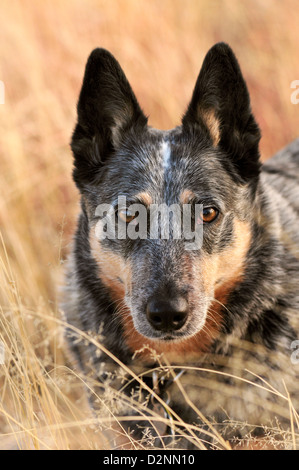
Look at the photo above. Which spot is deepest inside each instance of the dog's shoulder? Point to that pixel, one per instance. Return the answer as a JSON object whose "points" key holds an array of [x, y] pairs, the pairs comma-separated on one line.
{"points": [[284, 163], [281, 173]]}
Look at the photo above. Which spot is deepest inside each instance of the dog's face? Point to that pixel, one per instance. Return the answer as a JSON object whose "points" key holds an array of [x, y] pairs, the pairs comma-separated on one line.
{"points": [[161, 288]]}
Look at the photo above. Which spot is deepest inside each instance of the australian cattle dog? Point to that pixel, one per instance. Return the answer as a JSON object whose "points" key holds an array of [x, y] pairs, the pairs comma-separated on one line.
{"points": [[185, 262]]}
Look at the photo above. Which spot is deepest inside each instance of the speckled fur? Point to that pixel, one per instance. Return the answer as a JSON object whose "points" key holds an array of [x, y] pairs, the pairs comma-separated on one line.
{"points": [[256, 313]]}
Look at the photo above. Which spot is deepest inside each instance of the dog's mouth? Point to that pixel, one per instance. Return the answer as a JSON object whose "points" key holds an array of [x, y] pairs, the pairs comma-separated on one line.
{"points": [[167, 337]]}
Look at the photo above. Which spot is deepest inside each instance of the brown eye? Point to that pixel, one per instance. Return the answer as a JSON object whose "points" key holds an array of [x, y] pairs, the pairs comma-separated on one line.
{"points": [[209, 214], [126, 215]]}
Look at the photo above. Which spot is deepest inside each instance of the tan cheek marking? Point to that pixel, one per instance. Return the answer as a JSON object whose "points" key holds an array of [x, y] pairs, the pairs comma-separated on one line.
{"points": [[212, 123], [226, 268], [232, 262], [145, 198], [111, 268], [186, 196], [225, 273]]}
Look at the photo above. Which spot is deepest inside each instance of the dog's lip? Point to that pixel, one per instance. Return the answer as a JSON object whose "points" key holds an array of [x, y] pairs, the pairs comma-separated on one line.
{"points": [[168, 338]]}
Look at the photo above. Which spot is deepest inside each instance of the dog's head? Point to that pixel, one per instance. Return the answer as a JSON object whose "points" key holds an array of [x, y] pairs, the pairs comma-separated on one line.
{"points": [[163, 289]]}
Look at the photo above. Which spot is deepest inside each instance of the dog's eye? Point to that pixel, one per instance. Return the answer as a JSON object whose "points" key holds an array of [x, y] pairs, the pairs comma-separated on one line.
{"points": [[126, 215], [209, 214]]}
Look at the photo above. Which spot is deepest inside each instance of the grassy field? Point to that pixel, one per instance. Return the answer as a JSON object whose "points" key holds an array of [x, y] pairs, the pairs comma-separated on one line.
{"points": [[43, 50]]}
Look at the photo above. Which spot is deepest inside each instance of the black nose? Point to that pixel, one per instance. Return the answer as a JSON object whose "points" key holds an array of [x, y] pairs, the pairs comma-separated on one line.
{"points": [[167, 315]]}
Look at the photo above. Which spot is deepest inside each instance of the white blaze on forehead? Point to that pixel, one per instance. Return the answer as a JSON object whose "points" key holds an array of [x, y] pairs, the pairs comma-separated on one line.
{"points": [[166, 152]]}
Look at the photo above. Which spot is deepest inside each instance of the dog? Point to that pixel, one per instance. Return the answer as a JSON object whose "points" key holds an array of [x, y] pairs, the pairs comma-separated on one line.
{"points": [[220, 320]]}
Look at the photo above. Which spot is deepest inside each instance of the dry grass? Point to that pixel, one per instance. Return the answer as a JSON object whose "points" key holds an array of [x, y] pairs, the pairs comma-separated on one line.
{"points": [[43, 51]]}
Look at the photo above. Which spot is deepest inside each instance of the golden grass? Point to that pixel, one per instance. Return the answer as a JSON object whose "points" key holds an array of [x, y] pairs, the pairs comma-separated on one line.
{"points": [[43, 50]]}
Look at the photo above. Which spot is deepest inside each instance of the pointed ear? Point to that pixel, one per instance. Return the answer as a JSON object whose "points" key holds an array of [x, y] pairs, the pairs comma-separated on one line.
{"points": [[107, 109], [220, 107]]}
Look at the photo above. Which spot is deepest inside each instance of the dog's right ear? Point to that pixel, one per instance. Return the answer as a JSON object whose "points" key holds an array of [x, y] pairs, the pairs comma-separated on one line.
{"points": [[107, 109], [220, 107]]}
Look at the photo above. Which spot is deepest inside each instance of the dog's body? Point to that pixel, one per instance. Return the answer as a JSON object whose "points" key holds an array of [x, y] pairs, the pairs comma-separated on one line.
{"points": [[191, 307]]}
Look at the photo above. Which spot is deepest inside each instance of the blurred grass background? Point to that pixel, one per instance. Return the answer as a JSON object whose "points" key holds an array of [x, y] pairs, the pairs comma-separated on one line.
{"points": [[160, 44]]}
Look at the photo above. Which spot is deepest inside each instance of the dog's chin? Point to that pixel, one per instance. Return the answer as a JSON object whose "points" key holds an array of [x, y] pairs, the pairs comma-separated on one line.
{"points": [[168, 337]]}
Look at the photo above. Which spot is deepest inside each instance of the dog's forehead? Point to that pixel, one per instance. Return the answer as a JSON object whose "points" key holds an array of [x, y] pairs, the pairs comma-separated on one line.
{"points": [[175, 149], [165, 165]]}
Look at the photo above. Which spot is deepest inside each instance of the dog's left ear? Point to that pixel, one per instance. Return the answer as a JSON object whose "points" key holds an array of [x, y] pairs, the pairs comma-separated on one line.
{"points": [[220, 107], [107, 110]]}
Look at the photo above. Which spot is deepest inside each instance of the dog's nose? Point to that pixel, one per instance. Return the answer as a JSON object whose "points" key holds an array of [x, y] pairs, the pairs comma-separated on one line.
{"points": [[167, 315]]}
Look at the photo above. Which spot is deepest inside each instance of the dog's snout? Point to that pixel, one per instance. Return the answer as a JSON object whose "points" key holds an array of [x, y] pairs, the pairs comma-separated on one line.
{"points": [[167, 314]]}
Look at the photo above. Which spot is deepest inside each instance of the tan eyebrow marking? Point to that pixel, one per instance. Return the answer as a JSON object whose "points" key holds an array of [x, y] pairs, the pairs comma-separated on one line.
{"points": [[186, 196], [145, 198]]}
